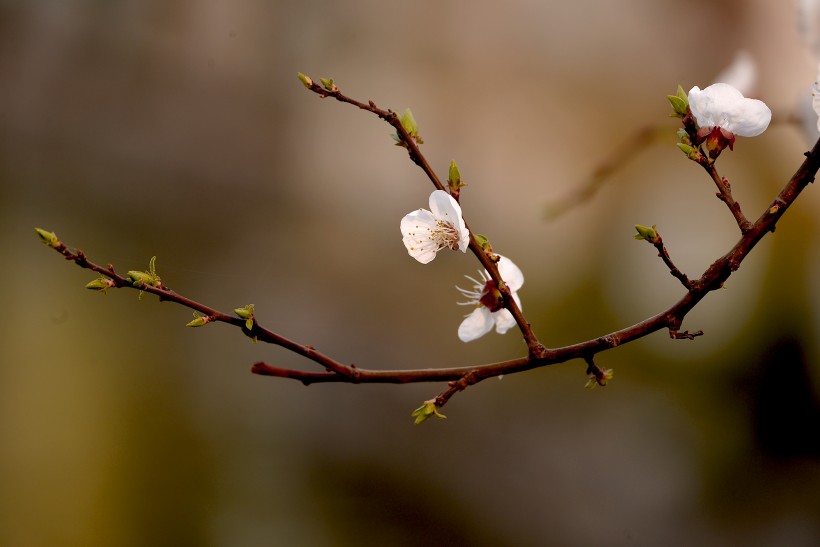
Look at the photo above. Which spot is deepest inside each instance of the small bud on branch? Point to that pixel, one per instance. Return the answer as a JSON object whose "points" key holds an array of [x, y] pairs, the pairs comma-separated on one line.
{"points": [[427, 410]]}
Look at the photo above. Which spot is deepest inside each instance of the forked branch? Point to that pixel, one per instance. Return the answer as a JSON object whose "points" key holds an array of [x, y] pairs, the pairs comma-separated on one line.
{"points": [[459, 378]]}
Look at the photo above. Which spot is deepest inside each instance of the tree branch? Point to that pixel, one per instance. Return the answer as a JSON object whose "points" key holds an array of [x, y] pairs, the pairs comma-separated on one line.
{"points": [[459, 378]]}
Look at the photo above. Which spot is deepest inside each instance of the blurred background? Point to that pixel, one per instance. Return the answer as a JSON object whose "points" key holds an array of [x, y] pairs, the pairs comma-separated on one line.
{"points": [[178, 129]]}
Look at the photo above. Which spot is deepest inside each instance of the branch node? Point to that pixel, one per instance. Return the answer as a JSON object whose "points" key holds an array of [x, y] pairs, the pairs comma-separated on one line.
{"points": [[608, 341], [538, 351], [597, 375]]}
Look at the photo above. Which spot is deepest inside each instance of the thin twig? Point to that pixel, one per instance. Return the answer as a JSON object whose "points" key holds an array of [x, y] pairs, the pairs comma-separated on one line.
{"points": [[724, 194], [664, 254]]}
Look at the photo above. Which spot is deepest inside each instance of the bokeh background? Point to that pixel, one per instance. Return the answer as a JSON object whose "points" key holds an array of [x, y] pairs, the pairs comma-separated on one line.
{"points": [[178, 129]]}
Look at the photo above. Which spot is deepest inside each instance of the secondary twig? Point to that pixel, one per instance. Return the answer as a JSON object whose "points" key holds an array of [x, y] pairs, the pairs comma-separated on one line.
{"points": [[664, 254], [724, 194]]}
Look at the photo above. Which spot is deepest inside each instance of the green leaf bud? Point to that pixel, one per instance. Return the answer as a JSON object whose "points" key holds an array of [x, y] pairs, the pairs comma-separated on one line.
{"points": [[599, 378], [145, 279], [644, 232], [425, 411], [305, 80], [141, 278], [679, 102], [328, 84], [678, 106], [408, 122], [199, 320], [454, 179], [245, 312], [100, 284], [482, 241], [49, 238], [691, 152]]}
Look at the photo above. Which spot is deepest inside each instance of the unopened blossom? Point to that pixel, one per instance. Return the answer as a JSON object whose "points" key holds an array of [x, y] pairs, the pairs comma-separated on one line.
{"points": [[489, 303], [721, 105], [425, 233]]}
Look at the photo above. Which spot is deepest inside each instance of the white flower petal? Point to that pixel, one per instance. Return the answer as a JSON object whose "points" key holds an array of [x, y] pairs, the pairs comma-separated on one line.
{"points": [[721, 105], [750, 118], [444, 206], [415, 229], [464, 233], [504, 321], [709, 105], [510, 273], [476, 325]]}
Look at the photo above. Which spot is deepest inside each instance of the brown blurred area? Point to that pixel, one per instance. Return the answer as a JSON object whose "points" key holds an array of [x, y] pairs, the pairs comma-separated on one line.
{"points": [[179, 129]]}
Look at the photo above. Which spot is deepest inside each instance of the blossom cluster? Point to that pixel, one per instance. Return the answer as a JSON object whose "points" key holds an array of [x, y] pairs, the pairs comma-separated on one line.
{"points": [[426, 232]]}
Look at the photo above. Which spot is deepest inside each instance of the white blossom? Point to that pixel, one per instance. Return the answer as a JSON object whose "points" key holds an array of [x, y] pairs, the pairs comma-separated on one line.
{"points": [[721, 105], [487, 299], [425, 233]]}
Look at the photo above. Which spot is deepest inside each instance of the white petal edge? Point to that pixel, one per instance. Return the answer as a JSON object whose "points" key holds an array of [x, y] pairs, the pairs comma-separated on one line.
{"points": [[750, 119], [444, 206], [476, 325], [510, 273], [415, 229]]}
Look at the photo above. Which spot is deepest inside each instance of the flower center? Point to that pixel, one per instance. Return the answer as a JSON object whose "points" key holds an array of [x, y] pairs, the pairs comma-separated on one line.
{"points": [[445, 235], [485, 293], [491, 297]]}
